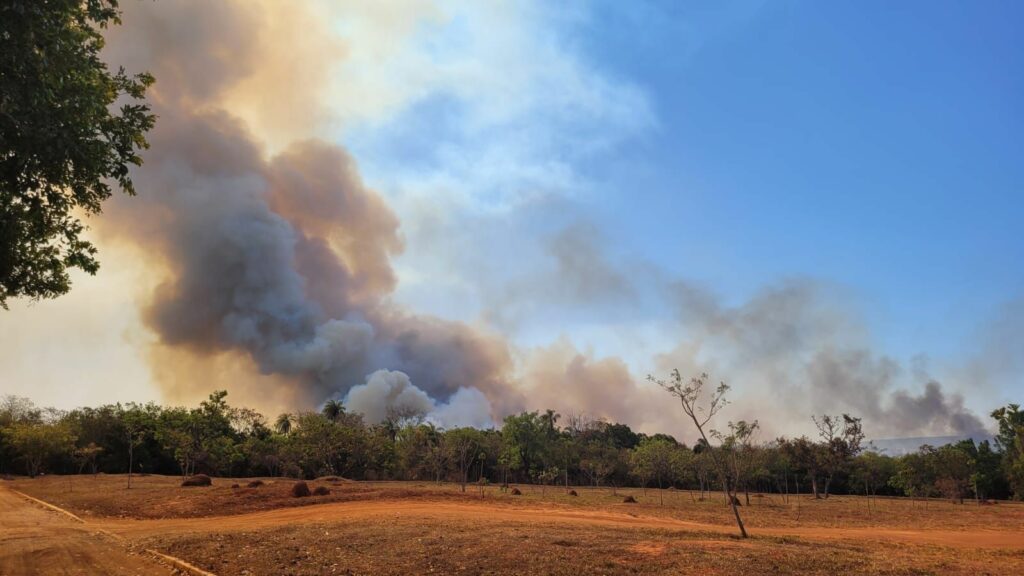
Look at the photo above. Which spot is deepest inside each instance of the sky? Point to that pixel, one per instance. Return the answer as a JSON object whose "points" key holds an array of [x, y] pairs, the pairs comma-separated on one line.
{"points": [[817, 202]]}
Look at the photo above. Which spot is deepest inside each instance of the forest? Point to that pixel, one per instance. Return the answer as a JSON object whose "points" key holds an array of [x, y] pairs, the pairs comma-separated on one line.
{"points": [[543, 448]]}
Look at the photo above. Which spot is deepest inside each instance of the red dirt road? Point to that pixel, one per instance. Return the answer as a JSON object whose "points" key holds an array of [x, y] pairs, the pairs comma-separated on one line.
{"points": [[37, 541]]}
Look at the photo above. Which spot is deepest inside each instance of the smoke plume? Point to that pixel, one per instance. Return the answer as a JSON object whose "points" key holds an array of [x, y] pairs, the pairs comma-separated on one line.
{"points": [[282, 259], [274, 262]]}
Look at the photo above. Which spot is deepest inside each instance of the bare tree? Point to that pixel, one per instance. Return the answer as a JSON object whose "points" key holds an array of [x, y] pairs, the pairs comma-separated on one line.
{"points": [[841, 442], [689, 394]]}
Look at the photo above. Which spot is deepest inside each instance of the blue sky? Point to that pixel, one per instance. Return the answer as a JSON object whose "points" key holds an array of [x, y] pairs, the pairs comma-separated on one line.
{"points": [[876, 147], [870, 146]]}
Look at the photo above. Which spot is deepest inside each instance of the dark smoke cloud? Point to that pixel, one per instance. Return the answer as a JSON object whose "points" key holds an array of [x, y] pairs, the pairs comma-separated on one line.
{"points": [[282, 261], [286, 259]]}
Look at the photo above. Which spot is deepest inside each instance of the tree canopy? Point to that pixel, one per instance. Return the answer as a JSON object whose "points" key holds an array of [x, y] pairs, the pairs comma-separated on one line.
{"points": [[70, 129]]}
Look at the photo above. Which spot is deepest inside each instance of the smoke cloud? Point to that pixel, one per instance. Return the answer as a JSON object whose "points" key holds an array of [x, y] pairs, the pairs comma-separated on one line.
{"points": [[391, 394], [281, 259], [274, 267]]}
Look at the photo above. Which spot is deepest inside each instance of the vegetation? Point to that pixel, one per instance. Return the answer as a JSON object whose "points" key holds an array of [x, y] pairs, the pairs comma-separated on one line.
{"points": [[69, 130], [218, 439]]}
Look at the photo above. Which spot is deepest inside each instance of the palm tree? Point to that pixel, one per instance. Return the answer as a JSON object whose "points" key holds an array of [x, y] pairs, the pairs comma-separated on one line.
{"points": [[283, 425], [333, 409]]}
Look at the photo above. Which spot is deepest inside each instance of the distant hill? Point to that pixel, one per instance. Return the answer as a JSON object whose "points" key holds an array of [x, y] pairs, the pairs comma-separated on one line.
{"points": [[900, 446]]}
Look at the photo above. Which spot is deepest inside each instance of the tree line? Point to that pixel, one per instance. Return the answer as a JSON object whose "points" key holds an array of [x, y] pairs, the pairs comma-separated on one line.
{"points": [[541, 448]]}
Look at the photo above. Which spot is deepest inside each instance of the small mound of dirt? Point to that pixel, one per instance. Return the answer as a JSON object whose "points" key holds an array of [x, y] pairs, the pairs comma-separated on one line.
{"points": [[255, 483], [516, 492], [321, 491], [572, 493], [300, 489], [629, 500], [234, 486], [197, 480]]}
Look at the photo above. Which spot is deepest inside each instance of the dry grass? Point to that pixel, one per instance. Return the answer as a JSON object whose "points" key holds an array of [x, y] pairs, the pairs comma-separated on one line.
{"points": [[161, 497], [414, 546], [498, 539]]}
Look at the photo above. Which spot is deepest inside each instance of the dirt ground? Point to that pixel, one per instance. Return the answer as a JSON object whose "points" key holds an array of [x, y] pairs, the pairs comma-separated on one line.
{"points": [[409, 528], [38, 541]]}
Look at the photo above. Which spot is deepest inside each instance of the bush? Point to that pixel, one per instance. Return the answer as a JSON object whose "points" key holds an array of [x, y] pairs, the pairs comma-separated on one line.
{"points": [[321, 491], [300, 489], [629, 500], [255, 483], [197, 480]]}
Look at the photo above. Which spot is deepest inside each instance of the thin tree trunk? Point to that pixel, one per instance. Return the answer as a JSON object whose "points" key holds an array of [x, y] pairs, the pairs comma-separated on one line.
{"points": [[736, 512], [131, 451]]}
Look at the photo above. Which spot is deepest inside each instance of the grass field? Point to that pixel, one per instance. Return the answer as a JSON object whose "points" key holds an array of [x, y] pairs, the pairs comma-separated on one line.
{"points": [[420, 528]]}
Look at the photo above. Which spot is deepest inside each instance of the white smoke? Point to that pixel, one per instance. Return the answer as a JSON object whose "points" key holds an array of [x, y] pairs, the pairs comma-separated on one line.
{"points": [[389, 392]]}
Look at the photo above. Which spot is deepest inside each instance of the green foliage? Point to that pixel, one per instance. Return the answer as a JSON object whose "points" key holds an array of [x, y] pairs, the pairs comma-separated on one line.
{"points": [[217, 438], [871, 472], [1010, 439], [69, 127], [657, 459], [37, 442]]}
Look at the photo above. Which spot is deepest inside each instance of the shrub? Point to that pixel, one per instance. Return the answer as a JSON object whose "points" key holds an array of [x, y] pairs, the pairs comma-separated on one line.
{"points": [[197, 480], [300, 489]]}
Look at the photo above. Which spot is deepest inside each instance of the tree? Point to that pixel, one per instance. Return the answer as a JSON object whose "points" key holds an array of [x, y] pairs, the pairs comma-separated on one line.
{"points": [[598, 460], [738, 453], [841, 442], [36, 443], [283, 424], [333, 409], [689, 395], [986, 479], [953, 470], [464, 446], [654, 459], [329, 447], [915, 474], [138, 424], [526, 436], [1010, 441], [807, 457], [872, 471], [86, 456], [63, 139]]}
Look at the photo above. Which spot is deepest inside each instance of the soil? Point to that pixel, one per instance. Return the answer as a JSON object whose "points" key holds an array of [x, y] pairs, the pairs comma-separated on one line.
{"points": [[408, 528], [34, 541]]}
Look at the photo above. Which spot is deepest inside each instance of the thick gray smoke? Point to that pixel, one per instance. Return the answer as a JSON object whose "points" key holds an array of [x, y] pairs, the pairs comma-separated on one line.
{"points": [[284, 260]]}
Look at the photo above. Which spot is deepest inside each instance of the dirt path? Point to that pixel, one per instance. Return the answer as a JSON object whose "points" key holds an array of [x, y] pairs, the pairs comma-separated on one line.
{"points": [[37, 541], [355, 511]]}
